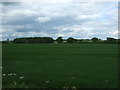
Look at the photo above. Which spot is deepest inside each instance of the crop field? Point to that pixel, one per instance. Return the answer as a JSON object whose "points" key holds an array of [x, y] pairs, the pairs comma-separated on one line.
{"points": [[60, 65]]}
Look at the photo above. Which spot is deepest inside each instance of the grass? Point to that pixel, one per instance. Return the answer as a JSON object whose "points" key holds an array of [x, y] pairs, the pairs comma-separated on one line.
{"points": [[60, 65]]}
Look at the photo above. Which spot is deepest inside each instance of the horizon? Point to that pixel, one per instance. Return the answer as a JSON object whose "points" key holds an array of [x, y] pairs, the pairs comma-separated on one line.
{"points": [[62, 38]]}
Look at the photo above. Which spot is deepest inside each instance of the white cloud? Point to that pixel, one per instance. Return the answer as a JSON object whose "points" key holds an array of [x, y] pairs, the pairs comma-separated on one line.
{"points": [[114, 33], [87, 17], [76, 31], [42, 19]]}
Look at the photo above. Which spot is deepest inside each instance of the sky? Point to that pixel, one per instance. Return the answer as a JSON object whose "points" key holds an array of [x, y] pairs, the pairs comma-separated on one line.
{"points": [[53, 19]]}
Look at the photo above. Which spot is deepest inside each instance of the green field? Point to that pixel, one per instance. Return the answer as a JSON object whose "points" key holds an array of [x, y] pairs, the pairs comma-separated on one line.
{"points": [[60, 65]]}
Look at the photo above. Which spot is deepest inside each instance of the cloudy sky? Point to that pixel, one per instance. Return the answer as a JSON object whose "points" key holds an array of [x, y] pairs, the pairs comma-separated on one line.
{"points": [[54, 19]]}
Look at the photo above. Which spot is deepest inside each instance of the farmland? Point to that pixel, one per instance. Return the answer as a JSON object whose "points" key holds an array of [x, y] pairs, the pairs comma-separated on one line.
{"points": [[60, 65]]}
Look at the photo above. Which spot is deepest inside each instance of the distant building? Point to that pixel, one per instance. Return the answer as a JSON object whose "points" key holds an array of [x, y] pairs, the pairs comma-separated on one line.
{"points": [[64, 41]]}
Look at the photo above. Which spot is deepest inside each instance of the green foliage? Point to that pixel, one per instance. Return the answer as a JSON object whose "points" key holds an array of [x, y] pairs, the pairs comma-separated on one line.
{"points": [[34, 40], [95, 39], [60, 65], [80, 40], [4, 42], [59, 40], [71, 40], [111, 40]]}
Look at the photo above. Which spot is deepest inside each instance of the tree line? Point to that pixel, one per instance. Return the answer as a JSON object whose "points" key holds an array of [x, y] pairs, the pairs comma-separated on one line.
{"points": [[109, 40], [34, 40]]}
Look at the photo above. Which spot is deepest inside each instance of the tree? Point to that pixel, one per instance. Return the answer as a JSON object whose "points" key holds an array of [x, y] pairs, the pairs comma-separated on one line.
{"points": [[80, 40], [71, 40], [111, 40], [59, 40], [34, 40], [95, 39], [7, 40]]}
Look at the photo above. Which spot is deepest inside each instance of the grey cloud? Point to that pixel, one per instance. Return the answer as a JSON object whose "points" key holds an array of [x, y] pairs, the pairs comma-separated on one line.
{"points": [[87, 17], [10, 3]]}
